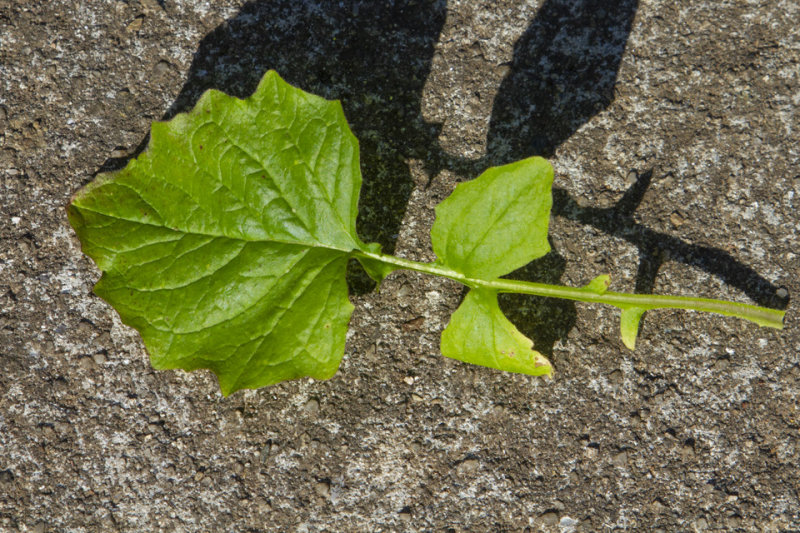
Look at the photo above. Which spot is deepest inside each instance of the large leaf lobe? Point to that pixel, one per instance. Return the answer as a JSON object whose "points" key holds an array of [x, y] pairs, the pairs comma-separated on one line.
{"points": [[225, 243]]}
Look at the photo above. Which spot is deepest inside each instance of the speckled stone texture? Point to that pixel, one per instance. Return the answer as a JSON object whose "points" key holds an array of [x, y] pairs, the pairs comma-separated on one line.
{"points": [[673, 129]]}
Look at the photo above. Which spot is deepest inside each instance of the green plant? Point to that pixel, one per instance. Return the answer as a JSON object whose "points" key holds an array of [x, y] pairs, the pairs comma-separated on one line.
{"points": [[225, 245]]}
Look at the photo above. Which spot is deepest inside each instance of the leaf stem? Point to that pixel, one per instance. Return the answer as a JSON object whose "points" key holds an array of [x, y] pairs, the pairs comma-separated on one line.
{"points": [[762, 316]]}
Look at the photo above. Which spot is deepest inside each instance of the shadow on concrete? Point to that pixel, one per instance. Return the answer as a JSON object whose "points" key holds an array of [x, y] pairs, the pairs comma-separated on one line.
{"points": [[373, 56], [563, 73], [376, 56]]}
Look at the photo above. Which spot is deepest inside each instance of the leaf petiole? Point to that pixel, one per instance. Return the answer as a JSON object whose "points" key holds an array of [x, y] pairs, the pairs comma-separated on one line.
{"points": [[762, 316]]}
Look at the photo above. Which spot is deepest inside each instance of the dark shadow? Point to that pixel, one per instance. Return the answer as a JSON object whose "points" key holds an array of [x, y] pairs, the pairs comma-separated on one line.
{"points": [[656, 248], [373, 56], [543, 320], [563, 73], [376, 56]]}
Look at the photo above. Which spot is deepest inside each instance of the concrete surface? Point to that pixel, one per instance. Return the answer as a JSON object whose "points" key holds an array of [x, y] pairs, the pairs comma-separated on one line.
{"points": [[673, 128]]}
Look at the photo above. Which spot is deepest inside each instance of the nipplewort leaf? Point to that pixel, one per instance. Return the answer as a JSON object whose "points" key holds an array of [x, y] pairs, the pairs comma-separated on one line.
{"points": [[629, 325], [486, 228], [480, 334], [225, 243], [496, 223]]}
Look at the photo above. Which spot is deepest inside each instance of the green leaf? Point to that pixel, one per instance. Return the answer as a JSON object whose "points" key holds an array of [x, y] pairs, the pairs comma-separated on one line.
{"points": [[496, 223], [225, 243], [479, 333], [629, 325], [599, 285], [488, 227], [376, 269]]}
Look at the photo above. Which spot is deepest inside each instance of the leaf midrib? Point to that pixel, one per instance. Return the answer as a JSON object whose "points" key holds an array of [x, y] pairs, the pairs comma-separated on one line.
{"points": [[220, 235]]}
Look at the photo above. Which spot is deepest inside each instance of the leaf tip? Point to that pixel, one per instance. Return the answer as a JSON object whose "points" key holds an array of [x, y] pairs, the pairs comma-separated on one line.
{"points": [[629, 341], [542, 365], [270, 77], [629, 325]]}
